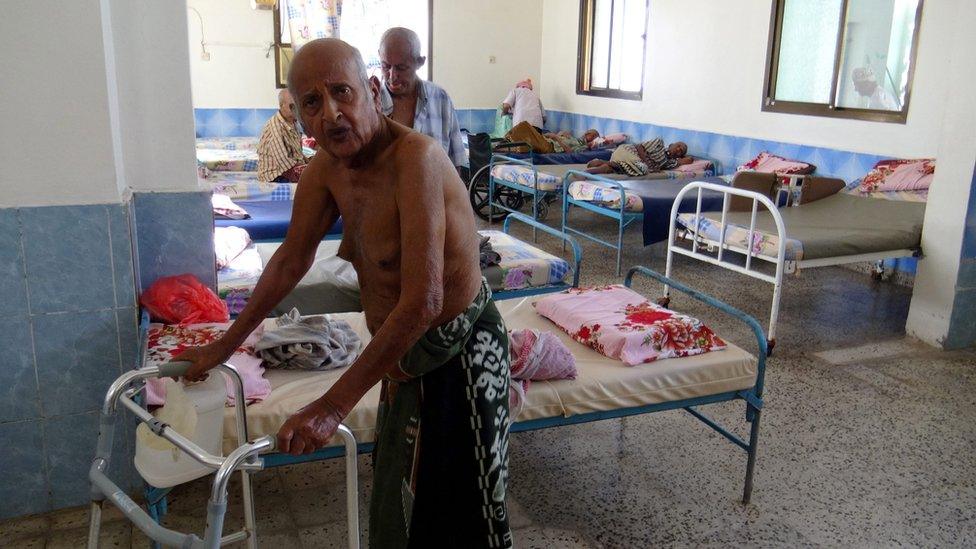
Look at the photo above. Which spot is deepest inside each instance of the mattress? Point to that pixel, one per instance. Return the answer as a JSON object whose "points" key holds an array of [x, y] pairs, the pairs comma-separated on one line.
{"points": [[522, 265], [604, 195], [228, 143], [269, 219], [245, 186], [550, 178], [331, 286], [603, 384], [228, 160], [836, 226]]}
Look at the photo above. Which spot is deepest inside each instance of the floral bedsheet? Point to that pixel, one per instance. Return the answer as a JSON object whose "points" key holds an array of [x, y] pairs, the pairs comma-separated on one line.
{"points": [[763, 243], [620, 323], [228, 160], [245, 186], [228, 143], [522, 265]]}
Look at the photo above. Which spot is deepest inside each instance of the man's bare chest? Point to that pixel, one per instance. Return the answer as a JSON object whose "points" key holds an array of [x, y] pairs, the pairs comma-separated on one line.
{"points": [[403, 110]]}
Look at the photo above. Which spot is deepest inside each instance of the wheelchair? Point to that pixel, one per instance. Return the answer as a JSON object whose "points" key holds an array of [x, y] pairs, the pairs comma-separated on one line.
{"points": [[480, 148]]}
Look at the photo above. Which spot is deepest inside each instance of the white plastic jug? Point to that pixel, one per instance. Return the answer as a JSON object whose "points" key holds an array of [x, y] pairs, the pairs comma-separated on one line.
{"points": [[196, 412]]}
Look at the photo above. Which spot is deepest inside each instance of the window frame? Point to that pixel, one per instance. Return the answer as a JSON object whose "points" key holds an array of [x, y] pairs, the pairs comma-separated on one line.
{"points": [[584, 60], [279, 47], [830, 110]]}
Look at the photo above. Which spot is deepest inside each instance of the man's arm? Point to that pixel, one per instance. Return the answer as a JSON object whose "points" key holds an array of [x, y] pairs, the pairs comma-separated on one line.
{"points": [[456, 148], [508, 102], [313, 213], [420, 184]]}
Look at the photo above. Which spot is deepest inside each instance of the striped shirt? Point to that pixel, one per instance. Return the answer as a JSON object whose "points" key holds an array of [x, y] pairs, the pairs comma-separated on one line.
{"points": [[279, 149], [435, 117]]}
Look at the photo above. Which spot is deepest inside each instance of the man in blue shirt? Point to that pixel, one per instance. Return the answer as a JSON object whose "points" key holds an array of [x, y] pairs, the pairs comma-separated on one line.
{"points": [[415, 103]]}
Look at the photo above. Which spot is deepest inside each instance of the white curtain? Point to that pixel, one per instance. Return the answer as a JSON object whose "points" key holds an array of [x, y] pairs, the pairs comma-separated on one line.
{"points": [[311, 19]]}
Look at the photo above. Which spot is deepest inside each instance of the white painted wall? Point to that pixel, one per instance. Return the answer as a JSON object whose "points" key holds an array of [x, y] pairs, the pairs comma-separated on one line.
{"points": [[945, 215], [155, 108], [240, 72], [466, 33], [55, 138], [705, 66]]}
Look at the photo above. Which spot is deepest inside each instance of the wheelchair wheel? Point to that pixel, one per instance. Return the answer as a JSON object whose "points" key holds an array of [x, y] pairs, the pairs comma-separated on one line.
{"points": [[478, 193]]}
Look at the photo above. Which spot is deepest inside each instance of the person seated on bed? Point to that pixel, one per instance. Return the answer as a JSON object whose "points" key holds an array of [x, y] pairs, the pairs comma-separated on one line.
{"points": [[439, 346], [415, 103], [640, 159], [280, 156]]}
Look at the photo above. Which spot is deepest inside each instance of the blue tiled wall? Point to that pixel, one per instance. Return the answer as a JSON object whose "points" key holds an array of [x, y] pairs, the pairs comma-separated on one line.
{"points": [[962, 327], [729, 150], [173, 235], [230, 122], [67, 304], [68, 328], [248, 122]]}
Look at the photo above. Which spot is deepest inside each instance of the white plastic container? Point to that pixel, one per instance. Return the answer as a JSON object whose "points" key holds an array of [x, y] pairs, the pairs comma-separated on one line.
{"points": [[164, 467]]}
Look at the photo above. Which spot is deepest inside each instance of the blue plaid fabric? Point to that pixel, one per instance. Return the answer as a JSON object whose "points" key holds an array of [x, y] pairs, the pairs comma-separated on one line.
{"points": [[435, 117]]}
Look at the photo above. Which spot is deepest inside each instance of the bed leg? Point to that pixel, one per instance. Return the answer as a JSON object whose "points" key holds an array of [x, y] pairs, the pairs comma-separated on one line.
{"points": [[751, 462]]}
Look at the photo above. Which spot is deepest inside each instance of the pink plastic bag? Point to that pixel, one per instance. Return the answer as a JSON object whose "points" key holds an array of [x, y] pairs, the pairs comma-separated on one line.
{"points": [[183, 299]]}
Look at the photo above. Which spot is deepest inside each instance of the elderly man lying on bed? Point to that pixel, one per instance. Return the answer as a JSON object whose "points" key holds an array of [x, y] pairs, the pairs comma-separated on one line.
{"points": [[640, 159], [439, 345]]}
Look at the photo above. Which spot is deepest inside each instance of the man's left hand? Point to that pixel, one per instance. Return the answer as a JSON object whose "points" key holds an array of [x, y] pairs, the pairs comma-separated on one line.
{"points": [[309, 429]]}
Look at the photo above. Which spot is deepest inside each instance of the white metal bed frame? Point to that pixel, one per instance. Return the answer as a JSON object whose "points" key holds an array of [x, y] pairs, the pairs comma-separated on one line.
{"points": [[782, 264]]}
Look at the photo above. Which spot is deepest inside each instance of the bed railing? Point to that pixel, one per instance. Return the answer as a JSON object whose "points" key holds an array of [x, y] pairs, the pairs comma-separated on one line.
{"points": [[720, 258], [620, 213], [499, 159]]}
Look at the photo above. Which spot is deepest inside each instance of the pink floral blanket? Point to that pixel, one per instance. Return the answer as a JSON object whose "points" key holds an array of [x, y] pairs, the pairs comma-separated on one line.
{"points": [[620, 323]]}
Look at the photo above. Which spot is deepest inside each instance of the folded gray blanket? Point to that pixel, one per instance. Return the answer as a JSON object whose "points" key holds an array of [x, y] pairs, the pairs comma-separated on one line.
{"points": [[310, 343]]}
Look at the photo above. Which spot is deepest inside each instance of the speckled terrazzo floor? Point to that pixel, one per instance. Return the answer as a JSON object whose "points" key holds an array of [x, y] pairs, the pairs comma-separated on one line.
{"points": [[868, 440]]}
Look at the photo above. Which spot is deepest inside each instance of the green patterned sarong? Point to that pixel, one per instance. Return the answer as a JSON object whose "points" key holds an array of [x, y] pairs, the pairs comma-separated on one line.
{"points": [[441, 458]]}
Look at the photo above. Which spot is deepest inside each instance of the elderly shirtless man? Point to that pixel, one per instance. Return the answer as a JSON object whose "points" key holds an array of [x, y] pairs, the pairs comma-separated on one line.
{"points": [[439, 345]]}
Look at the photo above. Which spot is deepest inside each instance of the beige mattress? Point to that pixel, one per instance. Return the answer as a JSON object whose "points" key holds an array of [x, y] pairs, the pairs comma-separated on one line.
{"points": [[603, 384]]}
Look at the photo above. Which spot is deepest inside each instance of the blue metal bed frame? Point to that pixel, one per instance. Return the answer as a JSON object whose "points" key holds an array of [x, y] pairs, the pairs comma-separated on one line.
{"points": [[624, 218], [752, 397]]}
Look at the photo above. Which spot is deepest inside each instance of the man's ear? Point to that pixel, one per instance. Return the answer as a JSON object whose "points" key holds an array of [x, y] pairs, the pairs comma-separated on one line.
{"points": [[421, 60], [374, 87]]}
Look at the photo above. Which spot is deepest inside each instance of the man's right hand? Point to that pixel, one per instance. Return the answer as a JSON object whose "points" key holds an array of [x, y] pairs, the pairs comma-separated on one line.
{"points": [[204, 358]]}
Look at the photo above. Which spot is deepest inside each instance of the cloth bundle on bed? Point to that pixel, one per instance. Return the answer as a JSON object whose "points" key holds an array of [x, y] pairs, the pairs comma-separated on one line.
{"points": [[309, 343]]}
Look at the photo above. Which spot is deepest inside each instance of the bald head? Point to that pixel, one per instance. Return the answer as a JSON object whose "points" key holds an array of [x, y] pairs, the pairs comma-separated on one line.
{"points": [[399, 59], [286, 106], [326, 51], [402, 39]]}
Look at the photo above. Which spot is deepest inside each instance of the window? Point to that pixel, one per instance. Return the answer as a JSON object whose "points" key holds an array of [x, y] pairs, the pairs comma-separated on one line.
{"points": [[612, 42], [361, 23], [842, 58]]}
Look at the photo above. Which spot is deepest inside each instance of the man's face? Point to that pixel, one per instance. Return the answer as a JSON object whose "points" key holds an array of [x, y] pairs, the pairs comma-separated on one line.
{"points": [[590, 135], [677, 150], [335, 107], [399, 67], [287, 108]]}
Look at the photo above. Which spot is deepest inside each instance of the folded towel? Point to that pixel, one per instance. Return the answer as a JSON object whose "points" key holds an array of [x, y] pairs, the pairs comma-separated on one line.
{"points": [[310, 343]]}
